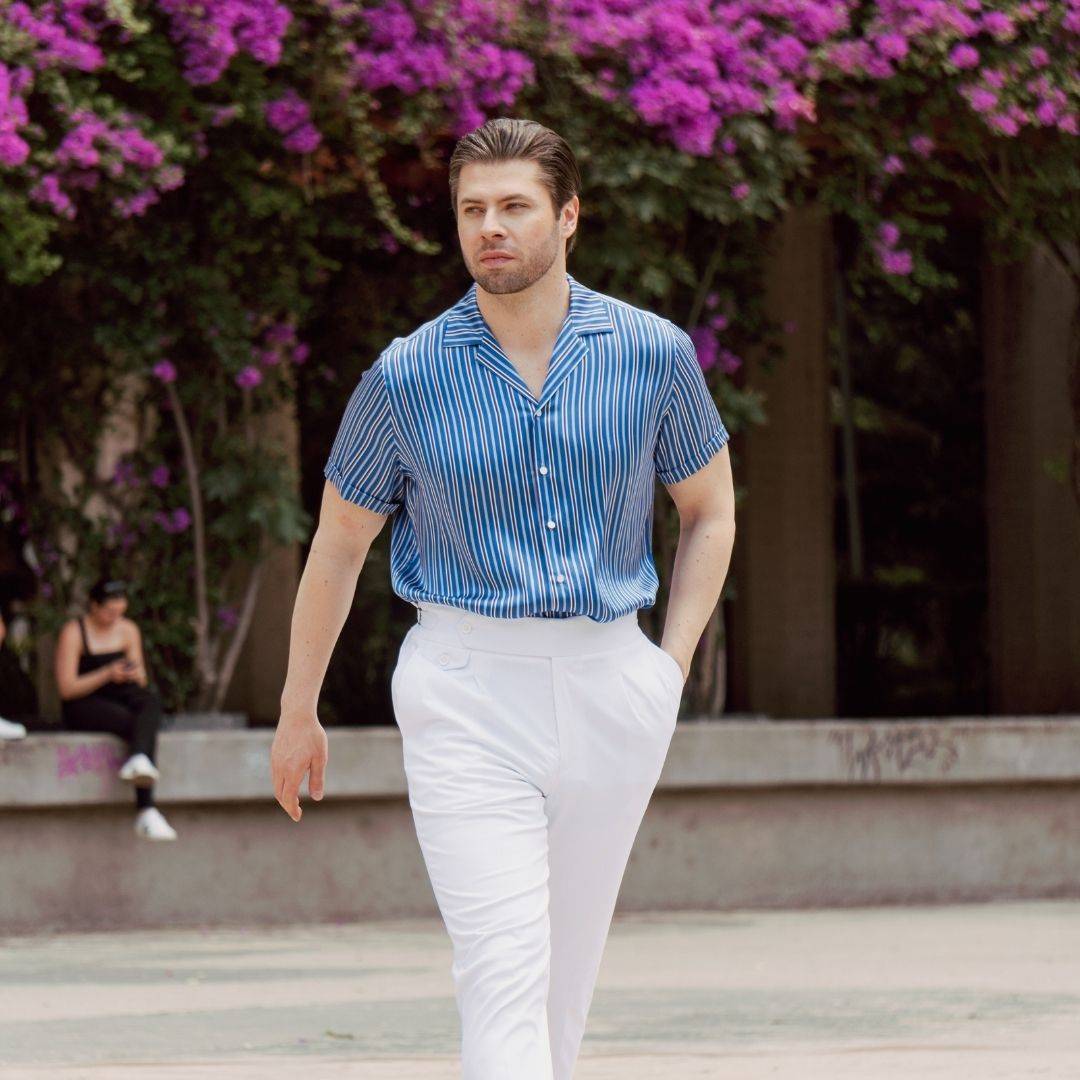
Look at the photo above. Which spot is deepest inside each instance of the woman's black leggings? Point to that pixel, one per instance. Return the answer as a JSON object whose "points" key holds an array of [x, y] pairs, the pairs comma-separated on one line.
{"points": [[131, 711]]}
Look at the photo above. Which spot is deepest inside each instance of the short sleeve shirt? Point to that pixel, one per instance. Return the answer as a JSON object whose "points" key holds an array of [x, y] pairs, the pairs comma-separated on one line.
{"points": [[509, 505]]}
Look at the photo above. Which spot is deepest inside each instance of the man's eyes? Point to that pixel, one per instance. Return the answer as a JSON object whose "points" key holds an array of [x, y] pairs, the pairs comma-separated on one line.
{"points": [[509, 206]]}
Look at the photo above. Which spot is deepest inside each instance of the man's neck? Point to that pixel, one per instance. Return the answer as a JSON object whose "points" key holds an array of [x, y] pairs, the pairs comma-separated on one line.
{"points": [[529, 319]]}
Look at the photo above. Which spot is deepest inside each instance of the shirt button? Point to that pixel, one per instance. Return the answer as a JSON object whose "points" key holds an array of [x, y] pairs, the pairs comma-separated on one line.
{"points": [[540, 410], [559, 577], [551, 524], [543, 470]]}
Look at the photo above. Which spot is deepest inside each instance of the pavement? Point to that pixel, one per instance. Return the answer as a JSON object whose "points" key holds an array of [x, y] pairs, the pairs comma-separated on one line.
{"points": [[988, 991]]}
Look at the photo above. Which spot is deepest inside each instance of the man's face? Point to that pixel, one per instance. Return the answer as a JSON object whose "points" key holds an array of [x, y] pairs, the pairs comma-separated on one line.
{"points": [[504, 207]]}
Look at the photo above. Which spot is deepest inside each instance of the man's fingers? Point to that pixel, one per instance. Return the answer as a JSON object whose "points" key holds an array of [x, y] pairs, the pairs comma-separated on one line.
{"points": [[291, 760], [317, 779], [279, 789], [287, 792], [292, 795]]}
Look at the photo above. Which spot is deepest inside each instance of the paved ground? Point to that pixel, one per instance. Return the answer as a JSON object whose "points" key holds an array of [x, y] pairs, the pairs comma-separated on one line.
{"points": [[988, 991]]}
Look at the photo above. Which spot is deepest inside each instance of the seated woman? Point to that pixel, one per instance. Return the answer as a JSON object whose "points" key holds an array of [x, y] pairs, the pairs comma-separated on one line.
{"points": [[101, 676]]}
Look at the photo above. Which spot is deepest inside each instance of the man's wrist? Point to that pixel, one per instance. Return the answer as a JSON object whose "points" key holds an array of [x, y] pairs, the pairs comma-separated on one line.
{"points": [[298, 705]]}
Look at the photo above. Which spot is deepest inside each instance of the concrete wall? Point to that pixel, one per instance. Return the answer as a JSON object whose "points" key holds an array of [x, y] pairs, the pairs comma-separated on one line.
{"points": [[755, 813]]}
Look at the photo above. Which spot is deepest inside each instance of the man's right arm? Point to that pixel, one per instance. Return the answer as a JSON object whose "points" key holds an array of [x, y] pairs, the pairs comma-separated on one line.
{"points": [[325, 595]]}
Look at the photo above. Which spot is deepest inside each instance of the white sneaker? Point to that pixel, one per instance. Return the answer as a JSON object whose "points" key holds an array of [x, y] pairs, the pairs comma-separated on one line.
{"points": [[140, 770], [150, 824], [11, 729]]}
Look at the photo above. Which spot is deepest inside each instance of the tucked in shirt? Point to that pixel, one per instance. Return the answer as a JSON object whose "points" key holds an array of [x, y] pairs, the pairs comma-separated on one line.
{"points": [[510, 505]]}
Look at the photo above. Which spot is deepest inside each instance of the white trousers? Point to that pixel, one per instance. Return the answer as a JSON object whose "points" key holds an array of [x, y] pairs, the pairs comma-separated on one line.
{"points": [[531, 749]]}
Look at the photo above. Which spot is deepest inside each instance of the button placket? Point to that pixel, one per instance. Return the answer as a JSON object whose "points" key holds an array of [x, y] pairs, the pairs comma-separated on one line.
{"points": [[547, 496]]}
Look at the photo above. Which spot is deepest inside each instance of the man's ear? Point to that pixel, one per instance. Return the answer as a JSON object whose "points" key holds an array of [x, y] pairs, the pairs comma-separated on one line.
{"points": [[574, 206]]}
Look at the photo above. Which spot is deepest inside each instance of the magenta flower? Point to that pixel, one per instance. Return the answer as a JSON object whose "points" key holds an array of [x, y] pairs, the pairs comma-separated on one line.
{"points": [[48, 190], [291, 116], [999, 25], [894, 46], [923, 145], [302, 140], [888, 232], [705, 345], [964, 56], [981, 98], [210, 33], [300, 352], [249, 376], [165, 371], [175, 522], [223, 114], [728, 362], [159, 476], [895, 262]]}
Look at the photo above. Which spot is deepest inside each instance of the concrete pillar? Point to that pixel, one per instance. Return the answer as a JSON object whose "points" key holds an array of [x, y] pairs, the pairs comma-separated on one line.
{"points": [[783, 655], [260, 669], [1033, 522]]}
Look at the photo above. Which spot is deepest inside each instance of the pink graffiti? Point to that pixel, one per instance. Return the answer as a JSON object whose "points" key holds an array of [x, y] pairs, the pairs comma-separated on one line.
{"points": [[70, 761]]}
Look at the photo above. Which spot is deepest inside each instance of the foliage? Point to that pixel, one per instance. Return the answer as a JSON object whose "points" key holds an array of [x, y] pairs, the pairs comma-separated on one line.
{"points": [[191, 194]]}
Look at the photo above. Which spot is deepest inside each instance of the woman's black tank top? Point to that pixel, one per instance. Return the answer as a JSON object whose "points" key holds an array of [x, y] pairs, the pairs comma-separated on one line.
{"points": [[90, 661]]}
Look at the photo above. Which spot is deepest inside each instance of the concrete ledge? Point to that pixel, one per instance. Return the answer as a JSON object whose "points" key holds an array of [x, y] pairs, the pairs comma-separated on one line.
{"points": [[747, 814], [73, 769]]}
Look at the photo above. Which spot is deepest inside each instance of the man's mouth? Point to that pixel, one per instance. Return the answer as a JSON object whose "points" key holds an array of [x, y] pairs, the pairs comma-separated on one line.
{"points": [[496, 258]]}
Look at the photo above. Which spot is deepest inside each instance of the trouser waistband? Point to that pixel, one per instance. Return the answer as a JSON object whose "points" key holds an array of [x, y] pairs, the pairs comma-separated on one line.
{"points": [[530, 635]]}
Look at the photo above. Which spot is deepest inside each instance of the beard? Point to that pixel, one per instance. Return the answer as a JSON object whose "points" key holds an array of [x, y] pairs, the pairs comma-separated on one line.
{"points": [[518, 275]]}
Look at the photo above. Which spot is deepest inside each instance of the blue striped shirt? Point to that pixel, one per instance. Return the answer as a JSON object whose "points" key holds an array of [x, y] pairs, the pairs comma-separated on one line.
{"points": [[511, 506]]}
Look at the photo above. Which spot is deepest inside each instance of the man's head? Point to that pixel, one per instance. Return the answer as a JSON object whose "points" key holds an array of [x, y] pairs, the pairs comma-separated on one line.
{"points": [[514, 189]]}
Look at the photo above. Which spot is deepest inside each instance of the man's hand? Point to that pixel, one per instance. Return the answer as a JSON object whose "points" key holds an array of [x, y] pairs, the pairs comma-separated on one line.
{"points": [[299, 746]]}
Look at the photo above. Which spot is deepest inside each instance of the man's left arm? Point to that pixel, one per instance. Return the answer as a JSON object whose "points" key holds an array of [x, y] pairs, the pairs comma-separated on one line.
{"points": [[705, 501]]}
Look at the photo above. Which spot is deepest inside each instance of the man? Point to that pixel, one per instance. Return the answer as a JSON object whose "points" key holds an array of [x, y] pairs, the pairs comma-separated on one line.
{"points": [[515, 439]]}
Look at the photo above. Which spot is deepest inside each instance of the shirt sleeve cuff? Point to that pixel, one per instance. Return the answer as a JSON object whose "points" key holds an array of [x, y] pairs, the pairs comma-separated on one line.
{"points": [[352, 493], [701, 457]]}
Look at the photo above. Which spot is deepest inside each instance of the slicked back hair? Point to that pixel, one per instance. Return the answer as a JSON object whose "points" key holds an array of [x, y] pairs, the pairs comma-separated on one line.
{"points": [[505, 139]]}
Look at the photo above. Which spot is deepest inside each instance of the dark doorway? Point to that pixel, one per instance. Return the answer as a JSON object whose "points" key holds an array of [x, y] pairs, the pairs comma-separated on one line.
{"points": [[911, 623]]}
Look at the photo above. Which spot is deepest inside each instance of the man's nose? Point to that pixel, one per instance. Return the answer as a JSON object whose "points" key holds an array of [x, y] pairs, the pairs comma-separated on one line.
{"points": [[492, 224]]}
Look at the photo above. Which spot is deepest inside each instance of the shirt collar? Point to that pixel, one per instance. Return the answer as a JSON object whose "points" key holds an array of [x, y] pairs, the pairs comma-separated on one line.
{"points": [[588, 314]]}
